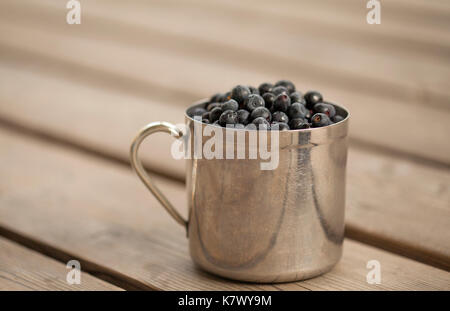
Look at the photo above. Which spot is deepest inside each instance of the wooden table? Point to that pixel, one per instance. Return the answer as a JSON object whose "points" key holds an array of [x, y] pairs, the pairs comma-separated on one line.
{"points": [[73, 96]]}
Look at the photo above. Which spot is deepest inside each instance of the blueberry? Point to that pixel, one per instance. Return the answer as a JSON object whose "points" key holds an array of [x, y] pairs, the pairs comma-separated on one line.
{"points": [[261, 123], [228, 117], [282, 102], [215, 114], [206, 115], [197, 111], [287, 84], [269, 99], [337, 118], [320, 119], [297, 97], [279, 116], [225, 97], [280, 126], [297, 110], [277, 105], [332, 109], [211, 106], [265, 88], [298, 124], [277, 90], [230, 105], [240, 93], [253, 101], [326, 108], [253, 90], [215, 98], [243, 116], [312, 98], [251, 127], [261, 112]]}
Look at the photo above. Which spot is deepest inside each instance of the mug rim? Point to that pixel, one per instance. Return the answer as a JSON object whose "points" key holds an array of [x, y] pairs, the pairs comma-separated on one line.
{"points": [[312, 129]]}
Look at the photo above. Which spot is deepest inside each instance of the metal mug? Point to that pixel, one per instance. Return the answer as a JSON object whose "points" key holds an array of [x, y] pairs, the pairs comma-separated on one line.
{"points": [[265, 226]]}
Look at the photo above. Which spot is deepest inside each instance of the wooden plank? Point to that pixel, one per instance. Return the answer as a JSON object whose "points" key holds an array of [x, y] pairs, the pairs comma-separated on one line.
{"points": [[394, 75], [349, 19], [133, 65], [425, 13], [410, 218], [113, 222], [24, 269]]}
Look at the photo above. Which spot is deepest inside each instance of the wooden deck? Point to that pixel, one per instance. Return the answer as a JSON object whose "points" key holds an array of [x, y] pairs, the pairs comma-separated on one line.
{"points": [[73, 96]]}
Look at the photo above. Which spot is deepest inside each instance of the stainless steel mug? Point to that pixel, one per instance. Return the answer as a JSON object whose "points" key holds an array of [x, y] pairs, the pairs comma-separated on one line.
{"points": [[267, 226]]}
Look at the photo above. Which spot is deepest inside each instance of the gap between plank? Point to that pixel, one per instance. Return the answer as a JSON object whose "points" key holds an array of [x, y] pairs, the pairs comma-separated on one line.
{"points": [[113, 277], [404, 249], [78, 147], [91, 76], [352, 232]]}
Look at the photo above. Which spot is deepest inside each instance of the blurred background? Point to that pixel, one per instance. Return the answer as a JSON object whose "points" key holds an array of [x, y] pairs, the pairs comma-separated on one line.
{"points": [[394, 77], [93, 85]]}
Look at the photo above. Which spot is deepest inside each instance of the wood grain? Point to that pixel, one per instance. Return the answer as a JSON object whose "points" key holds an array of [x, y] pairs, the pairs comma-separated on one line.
{"points": [[81, 204], [411, 216], [24, 269]]}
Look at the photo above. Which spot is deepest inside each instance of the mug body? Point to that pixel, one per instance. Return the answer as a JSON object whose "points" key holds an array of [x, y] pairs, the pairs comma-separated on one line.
{"points": [[281, 223]]}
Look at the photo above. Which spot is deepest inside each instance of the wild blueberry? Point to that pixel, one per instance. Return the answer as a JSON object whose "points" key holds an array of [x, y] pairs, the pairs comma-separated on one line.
{"points": [[239, 93], [228, 117], [215, 98], [282, 102], [265, 88], [215, 114], [287, 84], [279, 103], [239, 126], [197, 111], [261, 112], [297, 97], [277, 90], [279, 116], [253, 101], [243, 116], [326, 108], [332, 109], [226, 96], [337, 118], [312, 98], [211, 106], [261, 123], [297, 110], [280, 126], [251, 127], [253, 90], [230, 105], [269, 99], [319, 120], [298, 124], [206, 115]]}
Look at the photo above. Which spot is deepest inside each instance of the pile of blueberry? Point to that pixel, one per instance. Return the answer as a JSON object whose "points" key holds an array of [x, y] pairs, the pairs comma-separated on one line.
{"points": [[270, 106]]}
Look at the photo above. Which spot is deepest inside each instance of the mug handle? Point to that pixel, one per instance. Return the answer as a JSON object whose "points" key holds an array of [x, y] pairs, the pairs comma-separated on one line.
{"points": [[136, 163]]}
